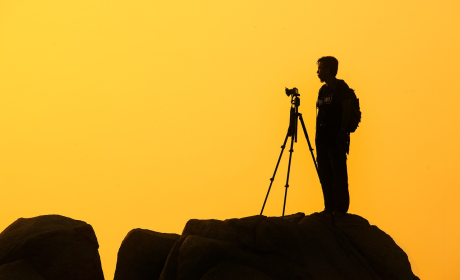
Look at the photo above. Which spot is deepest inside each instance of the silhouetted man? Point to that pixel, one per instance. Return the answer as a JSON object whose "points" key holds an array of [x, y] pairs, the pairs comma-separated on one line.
{"points": [[332, 139]]}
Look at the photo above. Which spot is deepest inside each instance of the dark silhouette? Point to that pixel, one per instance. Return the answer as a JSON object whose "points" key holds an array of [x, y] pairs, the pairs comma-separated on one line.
{"points": [[49, 247], [332, 136], [284, 248], [338, 115], [142, 254], [292, 132], [292, 247]]}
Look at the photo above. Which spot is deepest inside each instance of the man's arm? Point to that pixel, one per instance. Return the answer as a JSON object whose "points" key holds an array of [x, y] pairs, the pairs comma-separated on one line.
{"points": [[342, 137], [346, 106]]}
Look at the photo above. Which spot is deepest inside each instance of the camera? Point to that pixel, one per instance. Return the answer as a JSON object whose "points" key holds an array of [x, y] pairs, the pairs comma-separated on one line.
{"points": [[294, 92]]}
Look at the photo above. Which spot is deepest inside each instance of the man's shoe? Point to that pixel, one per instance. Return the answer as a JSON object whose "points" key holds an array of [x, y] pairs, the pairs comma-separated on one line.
{"points": [[328, 215]]}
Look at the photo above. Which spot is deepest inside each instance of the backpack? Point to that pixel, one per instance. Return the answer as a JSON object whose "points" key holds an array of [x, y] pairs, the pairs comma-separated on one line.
{"points": [[355, 114]]}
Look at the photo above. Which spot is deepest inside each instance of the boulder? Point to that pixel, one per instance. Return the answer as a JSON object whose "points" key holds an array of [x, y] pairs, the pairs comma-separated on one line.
{"points": [[142, 254], [19, 270], [291, 247], [377, 247], [54, 246]]}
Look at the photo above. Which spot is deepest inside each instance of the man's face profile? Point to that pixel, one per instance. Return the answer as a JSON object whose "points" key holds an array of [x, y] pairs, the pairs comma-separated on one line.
{"points": [[322, 72]]}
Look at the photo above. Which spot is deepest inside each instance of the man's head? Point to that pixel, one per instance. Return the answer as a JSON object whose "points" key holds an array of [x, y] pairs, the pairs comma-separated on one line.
{"points": [[327, 68]]}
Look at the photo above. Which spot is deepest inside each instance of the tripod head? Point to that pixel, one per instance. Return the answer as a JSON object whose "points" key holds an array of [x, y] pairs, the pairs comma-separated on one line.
{"points": [[295, 103], [295, 97]]}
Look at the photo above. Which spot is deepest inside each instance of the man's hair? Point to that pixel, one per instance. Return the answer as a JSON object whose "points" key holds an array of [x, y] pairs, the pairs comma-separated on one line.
{"points": [[330, 62]]}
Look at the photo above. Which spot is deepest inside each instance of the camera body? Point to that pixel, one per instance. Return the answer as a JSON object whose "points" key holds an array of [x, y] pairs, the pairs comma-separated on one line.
{"points": [[294, 92]]}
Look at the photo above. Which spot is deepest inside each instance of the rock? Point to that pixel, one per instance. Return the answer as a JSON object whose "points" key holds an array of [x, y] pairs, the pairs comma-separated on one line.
{"points": [[198, 255], [291, 247], [377, 247], [143, 254], [230, 271], [56, 247], [19, 270]]}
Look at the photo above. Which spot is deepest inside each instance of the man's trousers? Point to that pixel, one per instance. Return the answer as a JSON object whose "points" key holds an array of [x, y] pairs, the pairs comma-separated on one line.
{"points": [[332, 169]]}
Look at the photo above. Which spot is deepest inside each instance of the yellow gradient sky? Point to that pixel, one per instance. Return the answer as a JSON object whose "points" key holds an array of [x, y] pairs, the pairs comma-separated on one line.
{"points": [[145, 114]]}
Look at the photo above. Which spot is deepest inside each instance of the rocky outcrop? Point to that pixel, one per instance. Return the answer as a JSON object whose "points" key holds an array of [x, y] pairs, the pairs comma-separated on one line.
{"points": [[317, 246], [291, 247], [49, 247], [143, 254]]}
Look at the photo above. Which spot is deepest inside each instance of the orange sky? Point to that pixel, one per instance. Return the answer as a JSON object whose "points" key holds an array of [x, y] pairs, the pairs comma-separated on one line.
{"points": [[145, 114]]}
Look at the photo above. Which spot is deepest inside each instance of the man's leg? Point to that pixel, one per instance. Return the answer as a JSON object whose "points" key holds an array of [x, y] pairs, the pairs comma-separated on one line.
{"points": [[338, 159], [325, 173]]}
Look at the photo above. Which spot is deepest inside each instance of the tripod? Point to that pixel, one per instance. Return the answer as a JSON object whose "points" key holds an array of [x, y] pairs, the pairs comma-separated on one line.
{"points": [[292, 132]]}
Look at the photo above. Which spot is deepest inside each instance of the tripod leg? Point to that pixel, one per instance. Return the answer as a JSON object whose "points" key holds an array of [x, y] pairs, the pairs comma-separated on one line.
{"points": [[289, 171], [274, 173], [308, 140]]}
